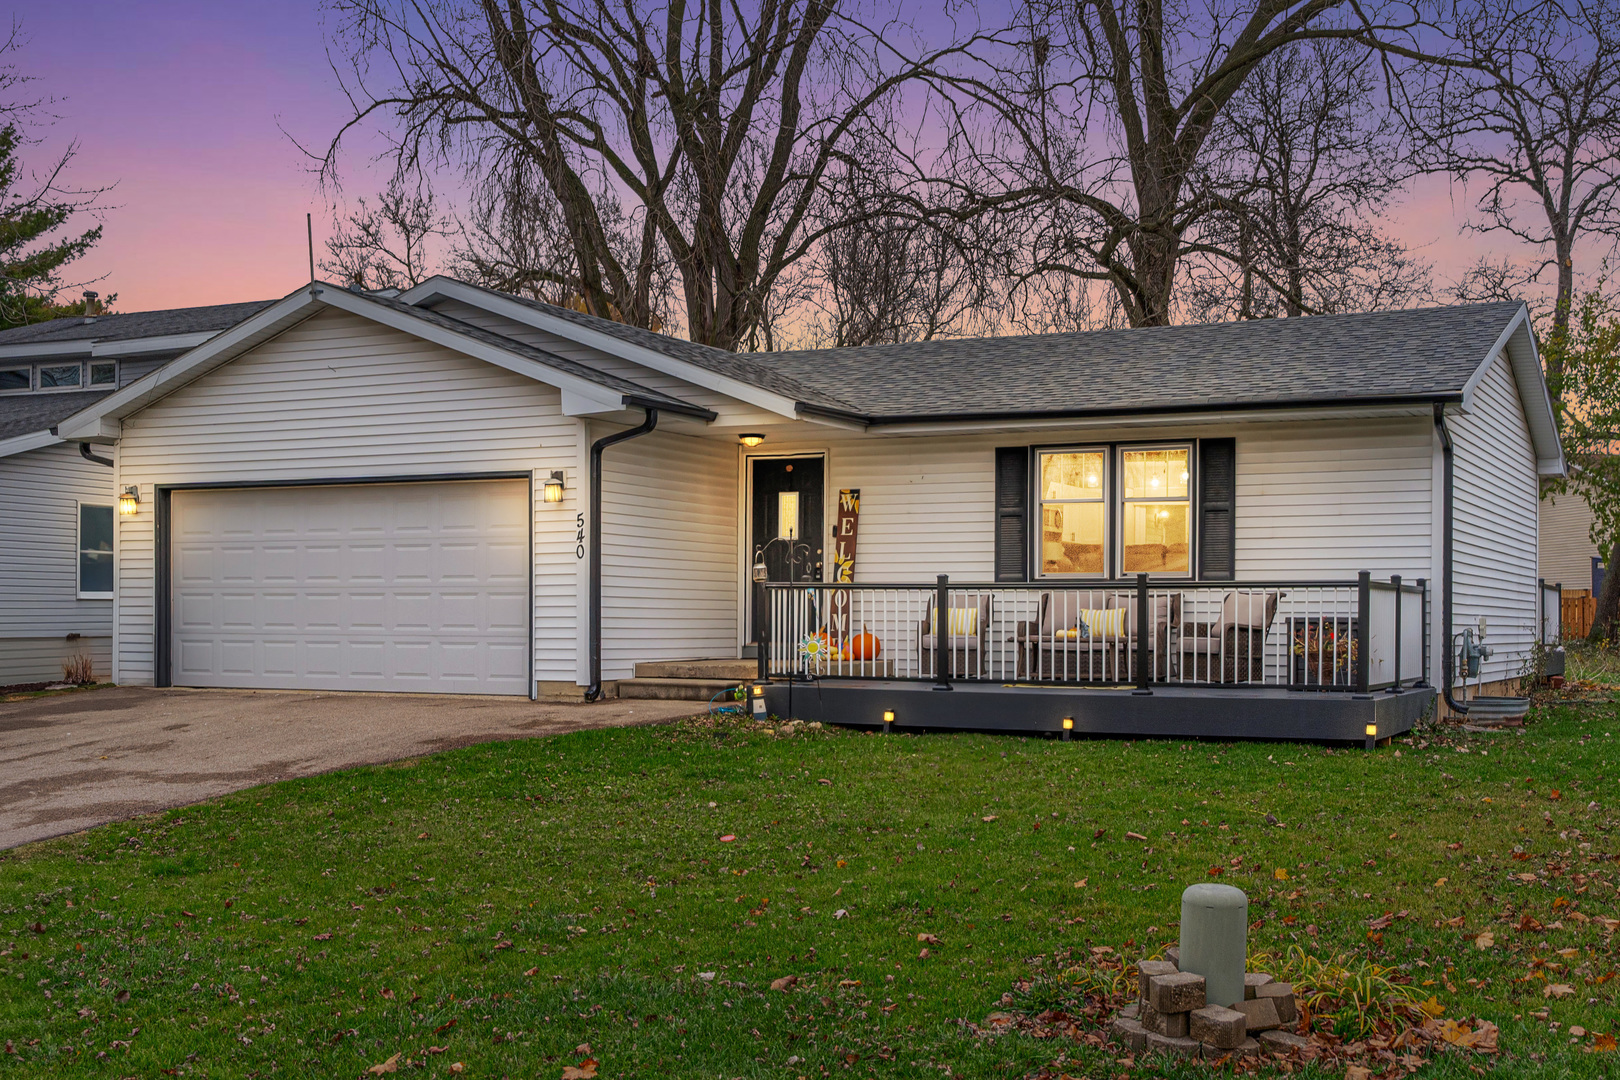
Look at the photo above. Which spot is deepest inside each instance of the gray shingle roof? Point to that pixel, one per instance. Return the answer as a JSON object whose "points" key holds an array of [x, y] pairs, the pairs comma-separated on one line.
{"points": [[755, 369], [1378, 356], [1419, 354], [134, 324], [23, 414]]}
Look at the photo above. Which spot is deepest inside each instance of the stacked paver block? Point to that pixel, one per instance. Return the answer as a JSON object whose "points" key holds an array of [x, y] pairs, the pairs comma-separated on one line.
{"points": [[1171, 1015]]}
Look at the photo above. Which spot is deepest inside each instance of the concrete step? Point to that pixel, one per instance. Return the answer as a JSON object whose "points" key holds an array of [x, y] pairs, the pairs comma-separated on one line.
{"points": [[738, 670], [674, 689]]}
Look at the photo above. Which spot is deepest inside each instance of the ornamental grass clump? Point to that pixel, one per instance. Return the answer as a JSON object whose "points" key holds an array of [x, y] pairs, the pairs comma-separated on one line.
{"points": [[1358, 994]]}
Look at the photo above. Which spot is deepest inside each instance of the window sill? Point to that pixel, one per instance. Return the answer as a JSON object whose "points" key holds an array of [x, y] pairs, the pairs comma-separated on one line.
{"points": [[97, 596]]}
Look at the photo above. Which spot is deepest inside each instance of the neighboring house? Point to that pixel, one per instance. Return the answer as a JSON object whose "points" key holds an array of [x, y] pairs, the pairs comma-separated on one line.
{"points": [[460, 490], [56, 500], [1568, 556]]}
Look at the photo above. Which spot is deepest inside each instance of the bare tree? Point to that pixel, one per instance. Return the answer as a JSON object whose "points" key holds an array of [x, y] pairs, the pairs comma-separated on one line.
{"points": [[386, 245], [1527, 105], [713, 124], [1308, 164], [1092, 123]]}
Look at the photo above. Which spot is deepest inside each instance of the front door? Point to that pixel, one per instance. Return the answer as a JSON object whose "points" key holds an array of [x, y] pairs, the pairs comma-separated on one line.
{"points": [[786, 530]]}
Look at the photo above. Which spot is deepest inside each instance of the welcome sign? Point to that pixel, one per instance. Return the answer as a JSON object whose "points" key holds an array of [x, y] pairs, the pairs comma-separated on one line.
{"points": [[845, 531]]}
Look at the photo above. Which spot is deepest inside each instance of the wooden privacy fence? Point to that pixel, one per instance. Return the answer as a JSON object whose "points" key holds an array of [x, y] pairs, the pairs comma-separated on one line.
{"points": [[1579, 609]]}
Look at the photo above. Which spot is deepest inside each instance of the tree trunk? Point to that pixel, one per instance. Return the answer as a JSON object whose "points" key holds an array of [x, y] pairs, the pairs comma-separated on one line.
{"points": [[1608, 604]]}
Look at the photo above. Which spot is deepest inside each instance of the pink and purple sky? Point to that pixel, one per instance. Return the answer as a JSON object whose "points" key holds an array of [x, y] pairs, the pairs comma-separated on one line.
{"points": [[187, 106]]}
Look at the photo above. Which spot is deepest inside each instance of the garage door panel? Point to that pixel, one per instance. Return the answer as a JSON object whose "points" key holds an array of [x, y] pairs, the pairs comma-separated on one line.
{"points": [[420, 587]]}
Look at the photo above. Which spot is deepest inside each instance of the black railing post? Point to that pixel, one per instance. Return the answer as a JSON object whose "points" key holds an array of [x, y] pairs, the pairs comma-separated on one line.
{"points": [[1143, 621], [760, 613], [1364, 605], [1400, 613], [942, 632], [1423, 591]]}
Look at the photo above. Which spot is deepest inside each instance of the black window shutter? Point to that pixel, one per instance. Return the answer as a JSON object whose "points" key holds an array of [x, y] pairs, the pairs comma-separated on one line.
{"points": [[1012, 513], [1217, 515]]}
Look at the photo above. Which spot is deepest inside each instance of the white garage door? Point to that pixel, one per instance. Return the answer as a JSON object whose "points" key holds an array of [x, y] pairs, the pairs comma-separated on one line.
{"points": [[402, 587]]}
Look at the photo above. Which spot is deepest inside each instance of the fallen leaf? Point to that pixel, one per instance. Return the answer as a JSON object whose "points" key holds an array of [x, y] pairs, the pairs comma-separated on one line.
{"points": [[391, 1065], [532, 971], [928, 939], [1134, 836], [585, 1070], [421, 836], [923, 955], [458, 1067], [840, 913], [785, 983], [1485, 940], [1558, 990], [1280, 874], [1578, 1031], [1357, 1072], [728, 838], [1439, 882], [323, 937], [847, 983], [1383, 922], [1080, 884], [1602, 1044], [1433, 1008], [988, 817], [827, 782]]}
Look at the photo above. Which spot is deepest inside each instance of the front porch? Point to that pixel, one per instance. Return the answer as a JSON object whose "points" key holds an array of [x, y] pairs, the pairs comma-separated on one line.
{"points": [[1318, 660]]}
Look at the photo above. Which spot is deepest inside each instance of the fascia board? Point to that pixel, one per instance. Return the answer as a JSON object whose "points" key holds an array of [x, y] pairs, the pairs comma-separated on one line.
{"points": [[21, 444], [136, 346], [450, 289], [578, 404], [46, 349], [1139, 420], [217, 350]]}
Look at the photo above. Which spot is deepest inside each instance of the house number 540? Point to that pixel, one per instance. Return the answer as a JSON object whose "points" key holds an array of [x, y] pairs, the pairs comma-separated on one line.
{"points": [[579, 536]]}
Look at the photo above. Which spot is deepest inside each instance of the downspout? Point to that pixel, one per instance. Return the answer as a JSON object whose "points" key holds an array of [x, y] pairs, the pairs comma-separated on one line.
{"points": [[1447, 660], [84, 452], [594, 691]]}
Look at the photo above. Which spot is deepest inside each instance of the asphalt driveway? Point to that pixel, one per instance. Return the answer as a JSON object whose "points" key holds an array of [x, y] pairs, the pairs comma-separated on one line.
{"points": [[72, 761]]}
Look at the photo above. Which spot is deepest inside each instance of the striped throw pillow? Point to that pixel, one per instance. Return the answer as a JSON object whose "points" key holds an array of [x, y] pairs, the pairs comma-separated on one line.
{"points": [[1104, 622], [964, 622]]}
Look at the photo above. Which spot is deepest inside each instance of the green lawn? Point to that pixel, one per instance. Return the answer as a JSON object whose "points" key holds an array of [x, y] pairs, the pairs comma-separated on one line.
{"points": [[510, 902]]}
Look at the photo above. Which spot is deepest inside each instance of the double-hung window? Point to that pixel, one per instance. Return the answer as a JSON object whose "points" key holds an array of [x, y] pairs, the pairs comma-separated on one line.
{"points": [[16, 378], [95, 551], [1074, 511], [104, 373], [1155, 511]]}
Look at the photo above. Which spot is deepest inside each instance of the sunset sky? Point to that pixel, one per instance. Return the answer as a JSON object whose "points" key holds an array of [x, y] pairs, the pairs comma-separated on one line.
{"points": [[187, 106]]}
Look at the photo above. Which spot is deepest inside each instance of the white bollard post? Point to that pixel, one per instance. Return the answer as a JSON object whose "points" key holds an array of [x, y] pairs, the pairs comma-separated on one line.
{"points": [[1215, 939]]}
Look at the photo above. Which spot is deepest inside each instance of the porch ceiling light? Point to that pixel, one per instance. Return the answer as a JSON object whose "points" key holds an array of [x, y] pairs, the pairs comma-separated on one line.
{"points": [[129, 500], [554, 488], [751, 439]]}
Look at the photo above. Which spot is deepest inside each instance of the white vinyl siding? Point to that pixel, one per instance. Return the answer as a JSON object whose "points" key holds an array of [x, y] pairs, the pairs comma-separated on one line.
{"points": [[340, 397], [1567, 550], [1495, 513], [1332, 499], [669, 550], [39, 572]]}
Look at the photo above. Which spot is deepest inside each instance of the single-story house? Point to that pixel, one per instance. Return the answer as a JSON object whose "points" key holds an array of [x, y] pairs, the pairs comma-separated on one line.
{"points": [[1272, 526], [56, 496]]}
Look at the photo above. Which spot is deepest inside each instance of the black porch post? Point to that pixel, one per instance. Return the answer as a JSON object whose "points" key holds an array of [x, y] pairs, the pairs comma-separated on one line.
{"points": [[1364, 605], [760, 636], [1143, 654], [1423, 591], [1400, 611], [942, 632]]}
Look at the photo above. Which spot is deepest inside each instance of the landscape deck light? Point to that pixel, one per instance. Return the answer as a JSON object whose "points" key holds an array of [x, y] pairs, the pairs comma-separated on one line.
{"points": [[129, 500], [758, 694], [554, 488], [1068, 726], [1372, 736], [888, 718], [751, 439]]}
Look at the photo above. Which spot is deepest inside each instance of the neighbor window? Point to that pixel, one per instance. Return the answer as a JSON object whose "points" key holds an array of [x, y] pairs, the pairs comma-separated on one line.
{"points": [[1155, 511], [18, 378], [95, 550], [104, 374], [57, 376], [1074, 512]]}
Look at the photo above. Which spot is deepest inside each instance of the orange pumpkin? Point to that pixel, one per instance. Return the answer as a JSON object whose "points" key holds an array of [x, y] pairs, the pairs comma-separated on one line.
{"points": [[863, 646]]}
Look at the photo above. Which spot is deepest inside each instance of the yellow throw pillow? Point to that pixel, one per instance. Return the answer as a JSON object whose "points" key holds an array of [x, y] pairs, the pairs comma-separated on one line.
{"points": [[964, 622], [1104, 622]]}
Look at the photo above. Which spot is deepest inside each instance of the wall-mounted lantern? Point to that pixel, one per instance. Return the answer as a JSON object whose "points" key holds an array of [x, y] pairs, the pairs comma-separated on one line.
{"points": [[129, 500], [553, 492]]}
